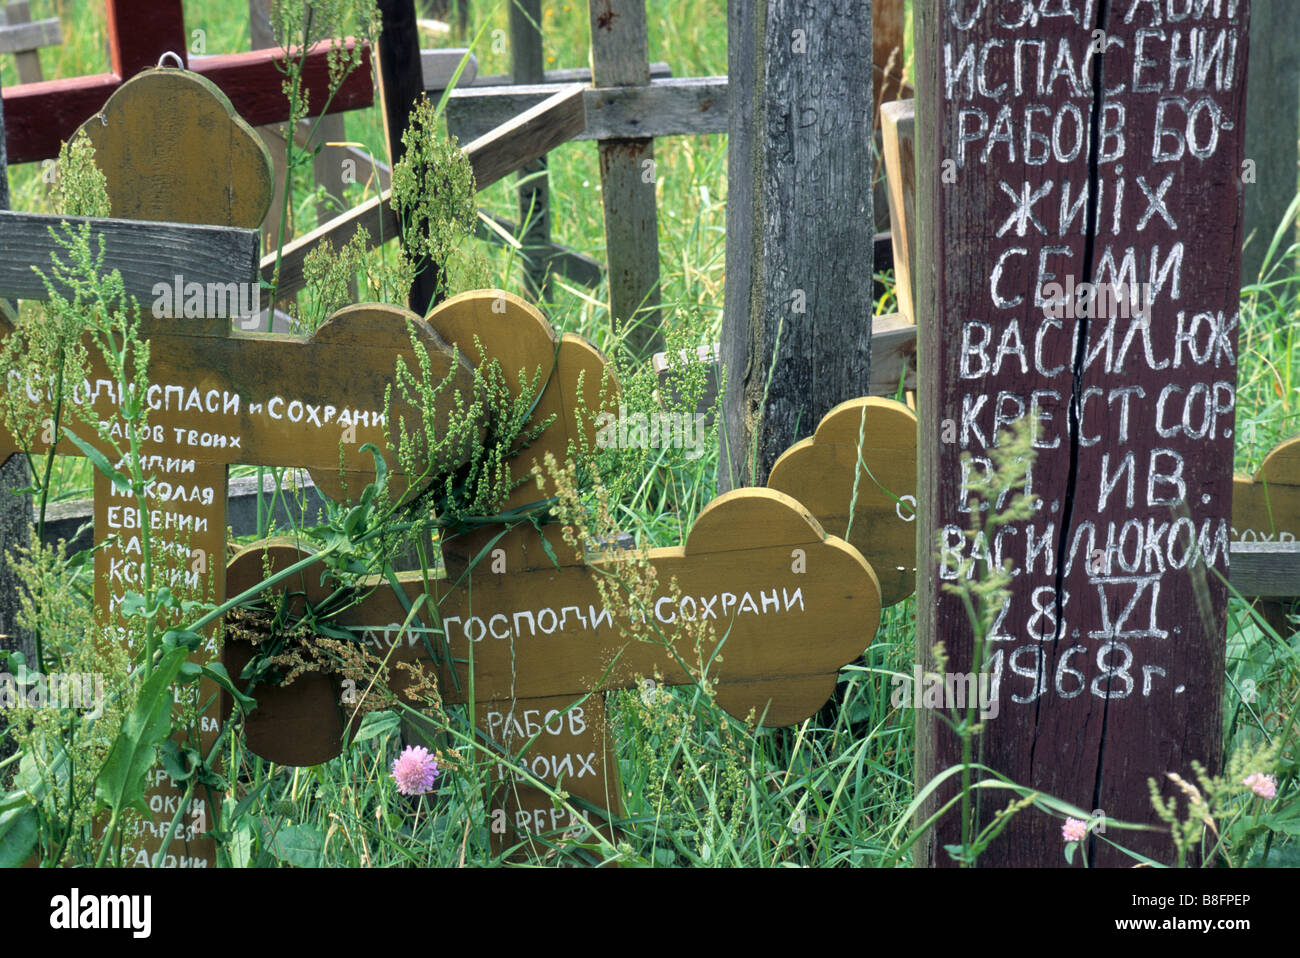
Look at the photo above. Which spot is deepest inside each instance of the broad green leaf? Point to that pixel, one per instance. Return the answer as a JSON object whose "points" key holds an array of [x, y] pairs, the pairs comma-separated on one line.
{"points": [[298, 845], [120, 783], [376, 724], [19, 830]]}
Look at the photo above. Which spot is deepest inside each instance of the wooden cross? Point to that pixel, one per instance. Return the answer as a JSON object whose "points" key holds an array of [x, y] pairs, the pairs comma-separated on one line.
{"points": [[173, 151], [793, 603], [1111, 646], [40, 116]]}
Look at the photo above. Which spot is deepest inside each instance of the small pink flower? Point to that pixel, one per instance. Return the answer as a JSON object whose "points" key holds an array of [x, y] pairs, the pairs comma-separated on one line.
{"points": [[1074, 830], [414, 770], [1265, 786]]}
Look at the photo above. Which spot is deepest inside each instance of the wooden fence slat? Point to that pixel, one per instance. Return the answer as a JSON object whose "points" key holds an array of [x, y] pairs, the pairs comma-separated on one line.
{"points": [[1265, 569], [686, 106], [20, 37], [658, 70], [145, 253], [619, 53], [28, 59], [897, 122]]}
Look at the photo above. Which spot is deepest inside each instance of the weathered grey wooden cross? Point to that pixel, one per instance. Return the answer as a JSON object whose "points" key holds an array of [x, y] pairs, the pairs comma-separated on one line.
{"points": [[174, 153], [789, 606]]}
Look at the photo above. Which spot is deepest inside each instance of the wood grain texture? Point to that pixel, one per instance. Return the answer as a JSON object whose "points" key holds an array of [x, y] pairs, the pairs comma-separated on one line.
{"points": [[496, 155], [1268, 570], [143, 252], [1144, 637], [799, 225], [155, 140], [619, 54], [722, 555], [152, 120], [690, 106], [897, 127]]}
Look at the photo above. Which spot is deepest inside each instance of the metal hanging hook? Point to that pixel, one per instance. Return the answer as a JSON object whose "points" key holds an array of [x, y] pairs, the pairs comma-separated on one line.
{"points": [[162, 60]]}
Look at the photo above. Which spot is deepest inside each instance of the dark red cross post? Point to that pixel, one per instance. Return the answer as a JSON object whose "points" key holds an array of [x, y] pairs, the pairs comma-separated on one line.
{"points": [[40, 116]]}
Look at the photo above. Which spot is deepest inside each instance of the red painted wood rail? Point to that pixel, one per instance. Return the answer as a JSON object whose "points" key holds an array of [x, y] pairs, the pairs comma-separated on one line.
{"points": [[40, 116]]}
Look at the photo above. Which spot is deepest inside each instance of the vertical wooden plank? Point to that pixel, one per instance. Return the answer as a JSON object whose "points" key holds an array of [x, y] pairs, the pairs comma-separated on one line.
{"points": [[800, 223], [527, 66], [1272, 122], [140, 31], [29, 61], [1062, 152], [401, 84], [620, 57], [897, 128], [15, 509]]}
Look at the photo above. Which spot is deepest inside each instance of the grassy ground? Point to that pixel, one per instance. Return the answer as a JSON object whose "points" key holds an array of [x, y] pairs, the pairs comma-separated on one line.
{"points": [[699, 787]]}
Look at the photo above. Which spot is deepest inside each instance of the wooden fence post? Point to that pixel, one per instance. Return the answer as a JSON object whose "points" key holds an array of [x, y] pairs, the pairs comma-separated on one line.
{"points": [[1272, 117], [1049, 156], [800, 225], [527, 66], [401, 85], [620, 57]]}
